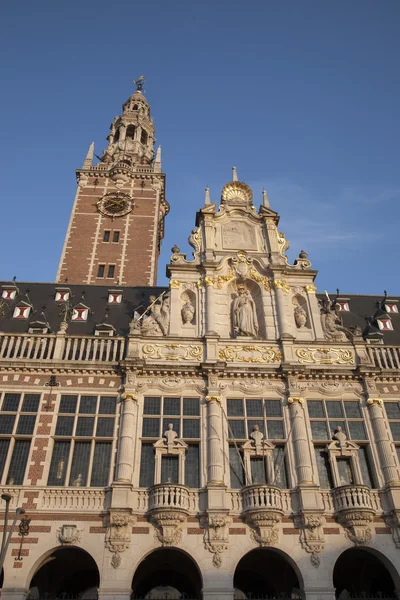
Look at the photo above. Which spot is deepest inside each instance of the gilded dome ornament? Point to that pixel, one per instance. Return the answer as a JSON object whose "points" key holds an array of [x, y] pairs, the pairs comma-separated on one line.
{"points": [[237, 192]]}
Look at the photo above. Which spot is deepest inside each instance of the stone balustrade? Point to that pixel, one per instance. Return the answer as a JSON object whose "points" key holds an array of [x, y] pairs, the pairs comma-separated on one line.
{"points": [[24, 346], [350, 497], [75, 499], [256, 497], [94, 349], [385, 357], [169, 496]]}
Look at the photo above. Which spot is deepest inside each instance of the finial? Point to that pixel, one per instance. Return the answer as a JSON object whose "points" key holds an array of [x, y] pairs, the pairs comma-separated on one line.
{"points": [[157, 160], [207, 197], [234, 174], [87, 163], [385, 293], [265, 199], [139, 83]]}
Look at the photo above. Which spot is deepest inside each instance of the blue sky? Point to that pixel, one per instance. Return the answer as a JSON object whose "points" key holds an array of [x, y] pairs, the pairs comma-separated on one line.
{"points": [[302, 96]]}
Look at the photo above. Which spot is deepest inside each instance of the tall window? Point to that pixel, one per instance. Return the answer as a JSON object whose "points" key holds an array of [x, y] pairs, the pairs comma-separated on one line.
{"points": [[17, 424], [106, 235], [184, 414], [111, 271], [326, 417], [393, 415], [243, 415], [83, 441], [100, 270]]}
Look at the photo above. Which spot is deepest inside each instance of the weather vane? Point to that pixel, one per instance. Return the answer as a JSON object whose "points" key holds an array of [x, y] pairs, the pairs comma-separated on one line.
{"points": [[140, 83]]}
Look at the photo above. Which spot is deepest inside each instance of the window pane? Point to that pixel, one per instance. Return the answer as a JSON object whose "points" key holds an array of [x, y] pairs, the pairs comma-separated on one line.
{"points": [[176, 425], [324, 469], [4, 445], [87, 405], [395, 427], [68, 404], [254, 408], [172, 406], [316, 409], [192, 466], [236, 429], [363, 459], [108, 405], [236, 469], [191, 406], [235, 408], [353, 410], [7, 423], [151, 428], [152, 406], [333, 425], [280, 467], [251, 423], [106, 236], [30, 403], [345, 473], [258, 471], [80, 464], [59, 462], [357, 430], [11, 402], [169, 469], [334, 409], [101, 464], [64, 426], [318, 429], [392, 410], [273, 408], [18, 462], [26, 424], [191, 428], [146, 466], [85, 426], [105, 427], [116, 237], [275, 430]]}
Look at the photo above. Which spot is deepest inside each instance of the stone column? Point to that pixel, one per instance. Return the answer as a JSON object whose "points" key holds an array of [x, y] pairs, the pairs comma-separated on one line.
{"points": [[175, 322], [210, 320], [383, 443], [280, 289], [215, 469], [300, 441], [126, 439]]}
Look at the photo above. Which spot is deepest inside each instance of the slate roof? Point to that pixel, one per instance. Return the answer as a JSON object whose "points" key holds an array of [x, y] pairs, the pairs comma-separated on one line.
{"points": [[95, 297]]}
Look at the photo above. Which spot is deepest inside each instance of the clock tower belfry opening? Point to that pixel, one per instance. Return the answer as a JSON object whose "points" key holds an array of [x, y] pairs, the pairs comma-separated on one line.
{"points": [[117, 220]]}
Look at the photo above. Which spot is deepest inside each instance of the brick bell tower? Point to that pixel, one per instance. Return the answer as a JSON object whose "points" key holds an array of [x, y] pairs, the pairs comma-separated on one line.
{"points": [[117, 220]]}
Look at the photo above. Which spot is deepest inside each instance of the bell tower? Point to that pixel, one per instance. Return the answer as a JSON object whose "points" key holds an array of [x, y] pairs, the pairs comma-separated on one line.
{"points": [[117, 220]]}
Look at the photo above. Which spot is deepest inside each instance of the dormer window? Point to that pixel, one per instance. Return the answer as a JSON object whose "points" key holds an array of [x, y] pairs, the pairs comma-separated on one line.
{"points": [[9, 293], [38, 327], [80, 313], [104, 330], [343, 304], [391, 307], [385, 324], [62, 295], [114, 297], [22, 311]]}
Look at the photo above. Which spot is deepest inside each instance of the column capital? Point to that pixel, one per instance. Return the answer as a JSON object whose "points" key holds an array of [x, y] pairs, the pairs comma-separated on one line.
{"points": [[175, 283], [293, 399], [213, 399], [279, 284], [311, 289], [372, 401], [129, 396]]}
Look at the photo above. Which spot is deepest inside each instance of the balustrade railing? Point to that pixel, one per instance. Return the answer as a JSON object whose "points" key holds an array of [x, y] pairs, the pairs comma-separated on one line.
{"points": [[385, 357], [350, 497], [167, 495], [255, 497], [24, 346], [70, 499], [94, 349]]}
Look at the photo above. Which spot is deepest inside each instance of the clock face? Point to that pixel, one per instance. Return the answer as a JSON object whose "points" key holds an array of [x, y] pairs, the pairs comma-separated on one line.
{"points": [[115, 204]]}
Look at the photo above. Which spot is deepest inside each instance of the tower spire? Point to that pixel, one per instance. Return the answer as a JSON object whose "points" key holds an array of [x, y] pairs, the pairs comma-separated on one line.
{"points": [[207, 200], [157, 161], [265, 199], [234, 174], [87, 163]]}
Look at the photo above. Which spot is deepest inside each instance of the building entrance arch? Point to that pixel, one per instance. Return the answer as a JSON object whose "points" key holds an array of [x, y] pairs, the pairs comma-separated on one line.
{"points": [[267, 573], [167, 573], [364, 573], [69, 573]]}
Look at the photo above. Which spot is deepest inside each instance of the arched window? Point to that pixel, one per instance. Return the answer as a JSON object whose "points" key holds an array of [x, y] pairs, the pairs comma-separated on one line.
{"points": [[143, 137], [116, 136], [130, 131], [135, 107]]}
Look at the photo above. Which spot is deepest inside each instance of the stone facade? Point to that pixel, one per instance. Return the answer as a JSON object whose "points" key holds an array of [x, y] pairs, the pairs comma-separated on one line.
{"points": [[252, 445]]}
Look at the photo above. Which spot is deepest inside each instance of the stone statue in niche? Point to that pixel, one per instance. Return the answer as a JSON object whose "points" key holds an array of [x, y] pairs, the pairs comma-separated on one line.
{"points": [[155, 320], [187, 312], [300, 316], [244, 314]]}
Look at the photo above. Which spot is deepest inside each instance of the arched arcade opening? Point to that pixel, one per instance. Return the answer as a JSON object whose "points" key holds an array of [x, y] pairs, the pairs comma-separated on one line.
{"points": [[167, 573], [67, 573], [362, 573], [266, 573]]}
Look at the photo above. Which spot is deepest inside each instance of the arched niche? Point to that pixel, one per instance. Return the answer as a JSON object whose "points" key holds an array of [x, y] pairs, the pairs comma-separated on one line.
{"points": [[188, 308], [256, 295], [267, 573], [301, 313], [364, 572], [167, 573], [65, 572]]}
